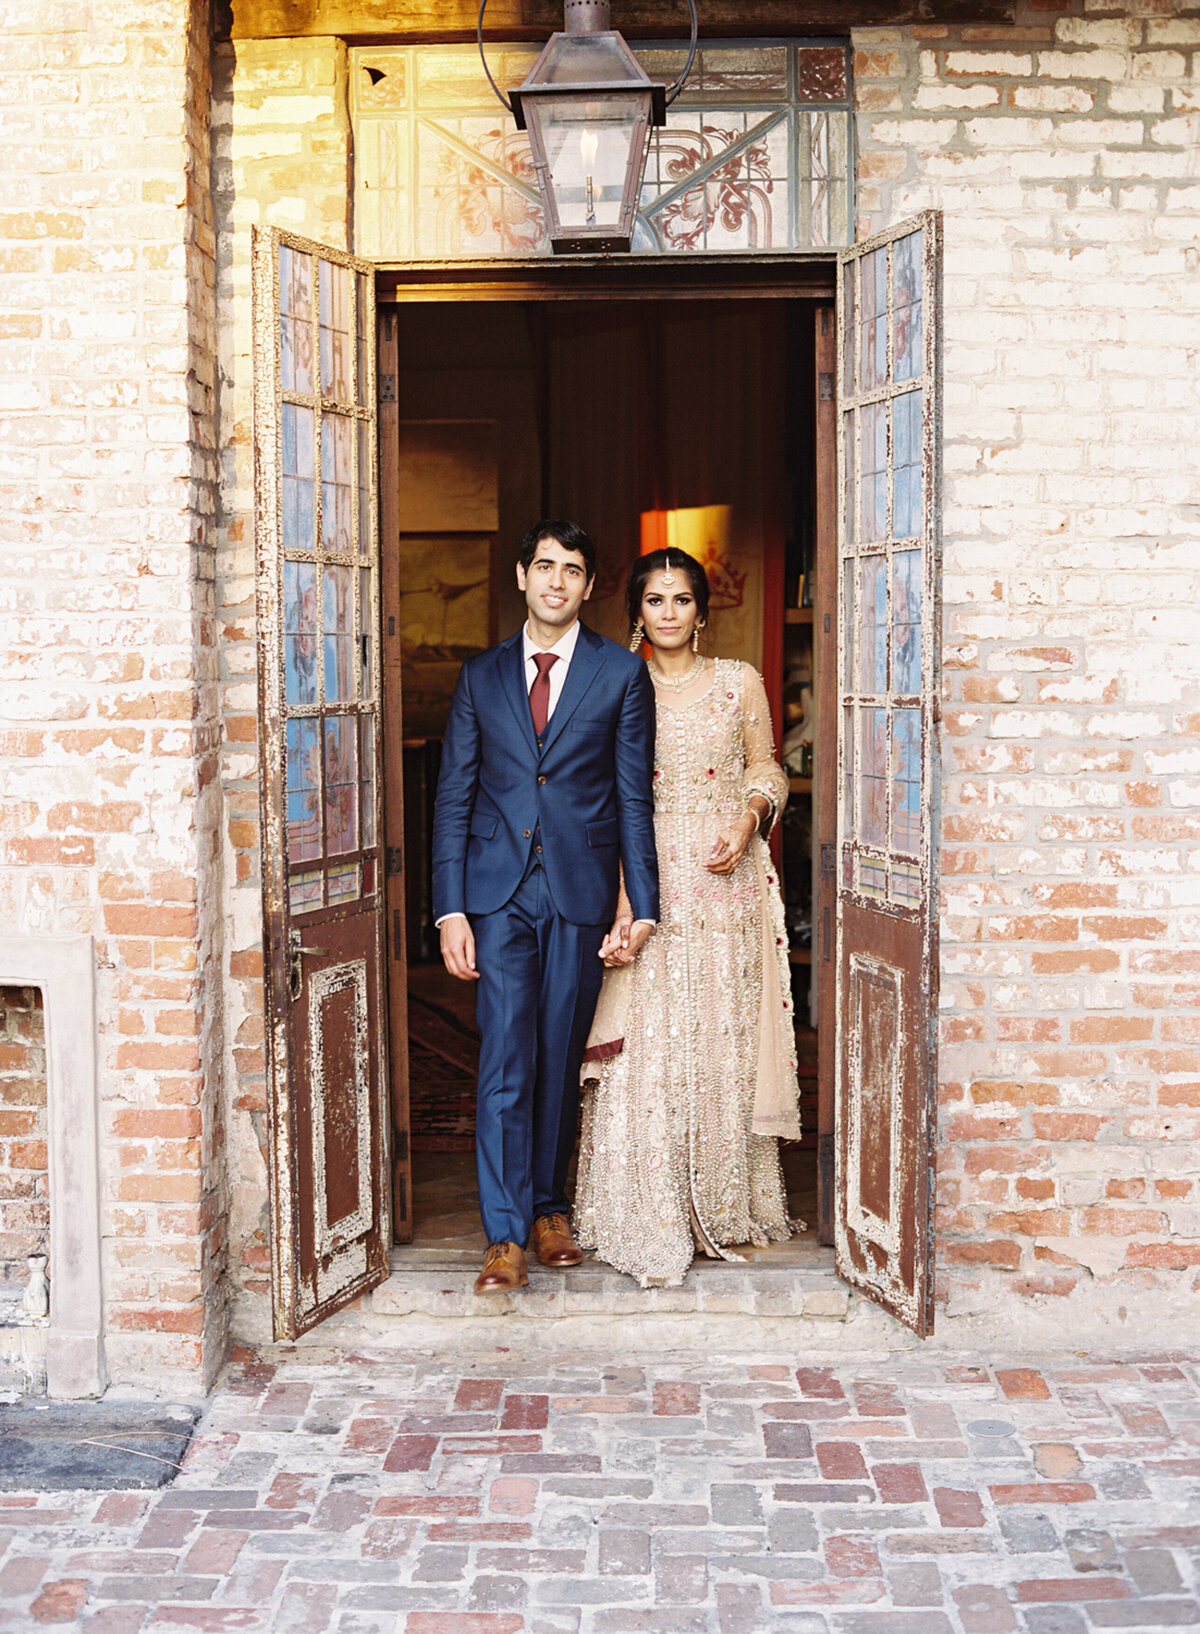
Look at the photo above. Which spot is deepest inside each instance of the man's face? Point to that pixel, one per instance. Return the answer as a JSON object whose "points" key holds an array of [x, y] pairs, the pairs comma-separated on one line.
{"points": [[556, 584]]}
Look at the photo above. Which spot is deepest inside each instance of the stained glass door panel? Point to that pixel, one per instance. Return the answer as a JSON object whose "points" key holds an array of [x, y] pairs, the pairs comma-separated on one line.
{"points": [[887, 684], [317, 602]]}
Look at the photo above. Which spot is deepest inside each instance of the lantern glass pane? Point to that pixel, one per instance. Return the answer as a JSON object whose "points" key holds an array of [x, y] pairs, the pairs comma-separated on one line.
{"points": [[585, 59], [587, 142]]}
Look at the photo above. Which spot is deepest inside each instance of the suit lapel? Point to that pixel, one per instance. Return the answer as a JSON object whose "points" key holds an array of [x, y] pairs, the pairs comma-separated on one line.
{"points": [[581, 672], [512, 679]]}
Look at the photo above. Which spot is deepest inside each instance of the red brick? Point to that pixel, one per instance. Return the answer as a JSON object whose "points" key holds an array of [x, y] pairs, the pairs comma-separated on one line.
{"points": [[1022, 1384], [1171, 1256], [1067, 1125], [819, 1382], [1044, 1492], [987, 1090], [410, 1452], [371, 1435], [899, 1483], [1007, 1255], [851, 1556], [425, 1506], [1048, 1589], [464, 1622], [60, 1602], [526, 1413], [958, 1508], [1096, 960], [677, 1400], [840, 1461]]}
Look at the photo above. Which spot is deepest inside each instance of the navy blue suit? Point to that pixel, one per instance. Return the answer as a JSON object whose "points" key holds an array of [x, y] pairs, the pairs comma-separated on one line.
{"points": [[527, 838]]}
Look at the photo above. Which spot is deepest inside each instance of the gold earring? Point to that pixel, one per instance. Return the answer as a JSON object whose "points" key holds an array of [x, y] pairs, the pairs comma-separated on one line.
{"points": [[696, 629], [638, 636]]}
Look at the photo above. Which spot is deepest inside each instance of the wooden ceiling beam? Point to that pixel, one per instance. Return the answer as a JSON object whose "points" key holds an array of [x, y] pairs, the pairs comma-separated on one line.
{"points": [[408, 21]]}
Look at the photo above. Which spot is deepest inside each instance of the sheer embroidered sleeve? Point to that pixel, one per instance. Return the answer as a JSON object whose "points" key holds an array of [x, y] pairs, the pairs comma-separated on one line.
{"points": [[763, 775]]}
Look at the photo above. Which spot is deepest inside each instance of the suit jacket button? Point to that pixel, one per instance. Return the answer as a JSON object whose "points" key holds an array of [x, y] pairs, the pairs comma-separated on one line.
{"points": [[526, 833], [541, 779], [538, 849]]}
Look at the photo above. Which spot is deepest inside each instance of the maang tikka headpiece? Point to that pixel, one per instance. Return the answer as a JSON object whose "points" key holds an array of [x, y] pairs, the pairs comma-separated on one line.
{"points": [[668, 576]]}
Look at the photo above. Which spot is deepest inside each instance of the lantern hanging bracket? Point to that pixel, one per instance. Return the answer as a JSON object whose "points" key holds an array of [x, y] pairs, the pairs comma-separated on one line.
{"points": [[670, 94]]}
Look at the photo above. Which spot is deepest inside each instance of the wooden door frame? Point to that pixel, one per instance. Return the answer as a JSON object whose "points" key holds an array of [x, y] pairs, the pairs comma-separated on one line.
{"points": [[776, 277]]}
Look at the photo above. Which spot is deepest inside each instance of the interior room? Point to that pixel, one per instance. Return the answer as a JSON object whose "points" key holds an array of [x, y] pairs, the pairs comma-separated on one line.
{"points": [[651, 422]]}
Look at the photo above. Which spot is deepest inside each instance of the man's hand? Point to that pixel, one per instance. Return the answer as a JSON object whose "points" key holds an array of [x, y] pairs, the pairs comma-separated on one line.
{"points": [[458, 948], [625, 941]]}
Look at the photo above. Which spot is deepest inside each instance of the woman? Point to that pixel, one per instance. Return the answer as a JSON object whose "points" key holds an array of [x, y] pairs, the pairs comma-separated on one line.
{"points": [[690, 1075]]}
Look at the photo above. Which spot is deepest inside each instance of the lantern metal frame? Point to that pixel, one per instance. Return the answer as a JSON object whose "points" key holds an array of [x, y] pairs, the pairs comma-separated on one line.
{"points": [[582, 19]]}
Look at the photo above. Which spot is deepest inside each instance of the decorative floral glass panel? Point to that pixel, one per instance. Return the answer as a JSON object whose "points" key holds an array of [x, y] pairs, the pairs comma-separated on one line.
{"points": [[755, 154], [299, 505], [303, 789], [300, 631], [339, 634]]}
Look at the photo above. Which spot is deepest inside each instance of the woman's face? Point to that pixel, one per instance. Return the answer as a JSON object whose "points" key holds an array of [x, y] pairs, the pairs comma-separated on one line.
{"points": [[669, 612]]}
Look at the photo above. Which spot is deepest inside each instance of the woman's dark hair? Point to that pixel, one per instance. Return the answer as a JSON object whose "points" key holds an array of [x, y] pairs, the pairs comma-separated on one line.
{"points": [[569, 535], [657, 562]]}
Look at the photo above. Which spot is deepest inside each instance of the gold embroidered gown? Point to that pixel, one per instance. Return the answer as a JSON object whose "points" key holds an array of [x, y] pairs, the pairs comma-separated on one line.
{"points": [[691, 1069]]}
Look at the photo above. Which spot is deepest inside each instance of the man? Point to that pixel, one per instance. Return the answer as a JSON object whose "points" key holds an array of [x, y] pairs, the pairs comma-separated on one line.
{"points": [[545, 788]]}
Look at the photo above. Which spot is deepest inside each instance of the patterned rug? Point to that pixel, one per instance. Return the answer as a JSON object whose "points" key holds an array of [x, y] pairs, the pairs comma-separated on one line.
{"points": [[443, 1058]]}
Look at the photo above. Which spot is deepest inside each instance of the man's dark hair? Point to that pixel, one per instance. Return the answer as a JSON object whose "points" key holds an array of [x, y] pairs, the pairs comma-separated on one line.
{"points": [[569, 535], [658, 561]]}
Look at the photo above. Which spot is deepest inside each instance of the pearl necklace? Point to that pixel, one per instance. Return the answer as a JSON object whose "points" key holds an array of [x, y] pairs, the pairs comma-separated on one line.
{"points": [[661, 680]]}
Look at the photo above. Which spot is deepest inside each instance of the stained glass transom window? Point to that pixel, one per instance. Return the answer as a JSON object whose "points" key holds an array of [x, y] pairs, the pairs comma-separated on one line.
{"points": [[755, 154]]}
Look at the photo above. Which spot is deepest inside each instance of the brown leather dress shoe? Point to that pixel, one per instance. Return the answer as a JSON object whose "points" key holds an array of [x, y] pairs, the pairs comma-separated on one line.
{"points": [[504, 1270], [552, 1241]]}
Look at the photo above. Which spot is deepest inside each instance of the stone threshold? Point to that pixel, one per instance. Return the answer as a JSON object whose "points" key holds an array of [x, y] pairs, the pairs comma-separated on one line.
{"points": [[788, 1300], [790, 1281]]}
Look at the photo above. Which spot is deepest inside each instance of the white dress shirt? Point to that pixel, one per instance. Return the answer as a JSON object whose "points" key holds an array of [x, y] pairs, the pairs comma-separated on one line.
{"points": [[563, 649]]}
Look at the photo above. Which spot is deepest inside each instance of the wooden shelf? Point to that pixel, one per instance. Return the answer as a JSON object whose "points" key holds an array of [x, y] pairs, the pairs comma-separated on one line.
{"points": [[800, 955], [798, 615], [800, 785]]}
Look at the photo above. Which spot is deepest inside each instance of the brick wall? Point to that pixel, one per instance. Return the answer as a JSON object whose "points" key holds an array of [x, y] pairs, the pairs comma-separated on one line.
{"points": [[108, 791], [1063, 153], [24, 1200], [281, 157]]}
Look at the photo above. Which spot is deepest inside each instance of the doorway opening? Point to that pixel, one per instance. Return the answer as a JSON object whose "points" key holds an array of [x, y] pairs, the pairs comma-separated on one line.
{"points": [[697, 419]]}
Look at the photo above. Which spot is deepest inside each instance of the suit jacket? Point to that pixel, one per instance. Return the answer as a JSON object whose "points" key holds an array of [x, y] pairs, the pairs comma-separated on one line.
{"points": [[587, 791]]}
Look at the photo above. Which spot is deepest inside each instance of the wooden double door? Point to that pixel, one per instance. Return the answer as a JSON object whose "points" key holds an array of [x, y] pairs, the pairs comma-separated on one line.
{"points": [[326, 428]]}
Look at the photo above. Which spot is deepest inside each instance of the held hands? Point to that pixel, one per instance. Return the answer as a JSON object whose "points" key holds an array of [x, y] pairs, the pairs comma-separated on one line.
{"points": [[458, 948], [730, 845], [624, 941]]}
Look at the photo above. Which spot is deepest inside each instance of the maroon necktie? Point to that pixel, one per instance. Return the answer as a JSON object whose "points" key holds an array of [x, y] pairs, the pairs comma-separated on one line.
{"points": [[539, 692]]}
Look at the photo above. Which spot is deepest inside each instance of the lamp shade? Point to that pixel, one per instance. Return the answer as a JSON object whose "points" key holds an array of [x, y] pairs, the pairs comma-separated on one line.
{"points": [[588, 106]]}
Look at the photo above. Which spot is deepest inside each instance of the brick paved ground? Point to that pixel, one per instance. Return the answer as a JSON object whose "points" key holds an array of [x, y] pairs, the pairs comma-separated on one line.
{"points": [[491, 1494]]}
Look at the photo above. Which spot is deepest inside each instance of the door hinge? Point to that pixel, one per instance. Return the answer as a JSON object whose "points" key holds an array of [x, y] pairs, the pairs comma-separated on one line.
{"points": [[387, 388], [395, 860], [825, 388], [828, 861]]}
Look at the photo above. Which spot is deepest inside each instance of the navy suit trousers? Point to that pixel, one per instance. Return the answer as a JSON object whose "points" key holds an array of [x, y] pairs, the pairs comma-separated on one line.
{"points": [[539, 979]]}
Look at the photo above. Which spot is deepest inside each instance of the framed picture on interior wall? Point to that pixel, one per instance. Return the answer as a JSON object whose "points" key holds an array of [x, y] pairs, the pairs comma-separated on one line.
{"points": [[446, 616]]}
